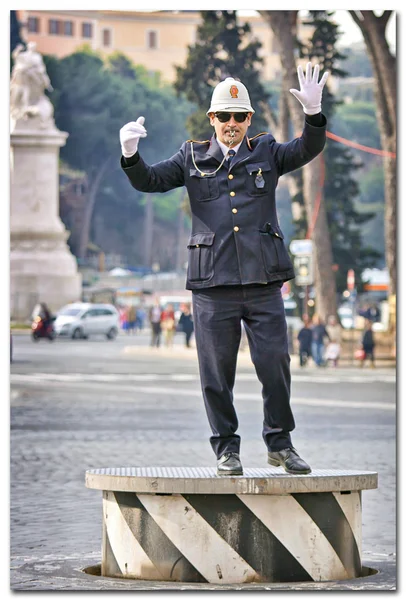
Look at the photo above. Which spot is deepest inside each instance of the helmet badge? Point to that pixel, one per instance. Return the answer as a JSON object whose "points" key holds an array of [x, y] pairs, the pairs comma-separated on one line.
{"points": [[234, 91]]}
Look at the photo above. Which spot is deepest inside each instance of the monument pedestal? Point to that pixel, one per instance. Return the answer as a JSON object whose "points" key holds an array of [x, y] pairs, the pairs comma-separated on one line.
{"points": [[42, 268]]}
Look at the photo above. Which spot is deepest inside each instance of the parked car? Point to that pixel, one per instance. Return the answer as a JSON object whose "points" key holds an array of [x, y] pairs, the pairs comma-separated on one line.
{"points": [[81, 319]]}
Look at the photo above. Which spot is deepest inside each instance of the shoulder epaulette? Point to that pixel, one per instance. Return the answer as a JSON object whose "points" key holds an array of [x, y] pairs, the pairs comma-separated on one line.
{"points": [[199, 141], [258, 134], [253, 138]]}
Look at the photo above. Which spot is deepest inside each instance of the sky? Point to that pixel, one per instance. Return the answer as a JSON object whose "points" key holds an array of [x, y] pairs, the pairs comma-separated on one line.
{"points": [[352, 33]]}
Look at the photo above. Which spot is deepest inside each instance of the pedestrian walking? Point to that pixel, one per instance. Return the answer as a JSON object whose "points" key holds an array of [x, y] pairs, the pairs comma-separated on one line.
{"points": [[131, 318], [186, 324], [155, 314], [368, 345], [168, 325], [122, 311], [140, 318], [237, 259], [305, 343], [319, 335], [333, 349]]}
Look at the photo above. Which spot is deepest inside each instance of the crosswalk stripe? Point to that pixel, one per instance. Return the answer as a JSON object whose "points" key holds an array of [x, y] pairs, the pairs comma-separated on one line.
{"points": [[167, 391], [121, 377]]}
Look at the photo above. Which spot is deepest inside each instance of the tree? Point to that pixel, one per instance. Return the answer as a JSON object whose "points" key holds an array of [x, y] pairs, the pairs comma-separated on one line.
{"points": [[357, 63], [340, 187], [383, 62], [92, 102], [372, 186], [222, 49], [89, 105], [356, 121], [284, 28]]}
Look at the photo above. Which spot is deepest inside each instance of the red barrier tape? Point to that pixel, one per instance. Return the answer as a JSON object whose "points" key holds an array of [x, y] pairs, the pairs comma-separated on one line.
{"points": [[342, 140], [346, 142]]}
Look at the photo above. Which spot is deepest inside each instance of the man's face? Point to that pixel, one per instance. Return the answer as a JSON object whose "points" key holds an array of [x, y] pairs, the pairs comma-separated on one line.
{"points": [[231, 132]]}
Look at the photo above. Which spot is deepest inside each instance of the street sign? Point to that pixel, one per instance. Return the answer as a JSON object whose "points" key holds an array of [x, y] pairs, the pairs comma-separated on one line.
{"points": [[300, 247], [303, 269]]}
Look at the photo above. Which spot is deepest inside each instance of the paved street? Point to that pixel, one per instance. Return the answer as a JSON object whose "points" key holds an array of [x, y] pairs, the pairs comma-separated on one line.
{"points": [[83, 404]]}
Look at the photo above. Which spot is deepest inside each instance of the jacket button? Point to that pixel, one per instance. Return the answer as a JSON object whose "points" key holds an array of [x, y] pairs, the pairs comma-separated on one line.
{"points": [[232, 193], [236, 228], [231, 176], [234, 210], [197, 245]]}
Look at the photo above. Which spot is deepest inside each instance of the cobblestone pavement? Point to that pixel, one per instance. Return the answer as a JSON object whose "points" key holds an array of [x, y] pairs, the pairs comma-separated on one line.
{"points": [[78, 405]]}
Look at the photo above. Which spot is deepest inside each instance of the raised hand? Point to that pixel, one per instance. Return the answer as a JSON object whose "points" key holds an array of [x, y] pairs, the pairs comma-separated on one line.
{"points": [[130, 135], [310, 89]]}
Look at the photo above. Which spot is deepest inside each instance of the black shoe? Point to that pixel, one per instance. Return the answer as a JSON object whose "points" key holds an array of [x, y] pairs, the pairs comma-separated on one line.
{"points": [[289, 459], [229, 464]]}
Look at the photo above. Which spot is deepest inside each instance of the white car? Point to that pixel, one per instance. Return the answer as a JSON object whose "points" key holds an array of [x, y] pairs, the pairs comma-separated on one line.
{"points": [[81, 319]]}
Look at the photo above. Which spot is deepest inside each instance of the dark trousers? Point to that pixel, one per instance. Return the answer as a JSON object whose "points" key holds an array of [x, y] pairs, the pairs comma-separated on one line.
{"points": [[218, 313], [304, 354], [156, 334]]}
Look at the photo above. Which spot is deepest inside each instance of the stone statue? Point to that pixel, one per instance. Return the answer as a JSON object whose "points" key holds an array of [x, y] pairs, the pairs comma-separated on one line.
{"points": [[29, 80]]}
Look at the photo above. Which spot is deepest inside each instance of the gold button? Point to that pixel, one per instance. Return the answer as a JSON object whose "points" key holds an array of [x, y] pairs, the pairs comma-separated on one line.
{"points": [[236, 229], [232, 193], [231, 176], [197, 245], [235, 210]]}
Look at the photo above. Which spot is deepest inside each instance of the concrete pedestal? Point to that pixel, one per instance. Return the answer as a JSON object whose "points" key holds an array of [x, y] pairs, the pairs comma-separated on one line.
{"points": [[42, 267], [187, 524]]}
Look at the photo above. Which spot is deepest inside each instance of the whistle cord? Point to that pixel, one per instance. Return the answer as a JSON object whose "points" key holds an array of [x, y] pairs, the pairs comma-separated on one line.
{"points": [[226, 156]]}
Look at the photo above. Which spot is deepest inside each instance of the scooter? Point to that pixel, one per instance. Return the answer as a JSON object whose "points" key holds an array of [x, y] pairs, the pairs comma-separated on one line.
{"points": [[39, 330]]}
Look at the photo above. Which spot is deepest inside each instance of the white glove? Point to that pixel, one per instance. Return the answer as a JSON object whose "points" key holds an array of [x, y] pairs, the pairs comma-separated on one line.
{"points": [[130, 135], [310, 90]]}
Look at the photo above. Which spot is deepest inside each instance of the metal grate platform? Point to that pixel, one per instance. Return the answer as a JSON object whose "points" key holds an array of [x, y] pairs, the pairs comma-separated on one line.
{"points": [[204, 480]]}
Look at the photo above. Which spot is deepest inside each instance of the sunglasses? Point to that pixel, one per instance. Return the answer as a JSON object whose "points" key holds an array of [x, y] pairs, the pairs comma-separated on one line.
{"points": [[223, 117]]}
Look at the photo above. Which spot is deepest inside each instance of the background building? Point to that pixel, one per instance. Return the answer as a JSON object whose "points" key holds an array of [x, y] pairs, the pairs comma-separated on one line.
{"points": [[157, 40]]}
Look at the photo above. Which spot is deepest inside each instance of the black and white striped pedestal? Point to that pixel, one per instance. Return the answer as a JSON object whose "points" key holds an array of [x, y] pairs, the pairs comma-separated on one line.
{"points": [[187, 524]]}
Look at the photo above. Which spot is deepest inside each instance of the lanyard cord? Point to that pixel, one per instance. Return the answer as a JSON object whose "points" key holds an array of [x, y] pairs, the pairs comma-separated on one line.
{"points": [[202, 172]]}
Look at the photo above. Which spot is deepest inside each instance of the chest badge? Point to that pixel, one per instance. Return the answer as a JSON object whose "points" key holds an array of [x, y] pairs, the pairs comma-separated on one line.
{"points": [[259, 179]]}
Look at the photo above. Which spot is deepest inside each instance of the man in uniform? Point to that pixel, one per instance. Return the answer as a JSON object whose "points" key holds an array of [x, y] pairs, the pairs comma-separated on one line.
{"points": [[237, 260]]}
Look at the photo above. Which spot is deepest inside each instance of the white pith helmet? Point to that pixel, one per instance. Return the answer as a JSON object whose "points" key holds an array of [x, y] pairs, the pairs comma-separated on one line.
{"points": [[230, 95]]}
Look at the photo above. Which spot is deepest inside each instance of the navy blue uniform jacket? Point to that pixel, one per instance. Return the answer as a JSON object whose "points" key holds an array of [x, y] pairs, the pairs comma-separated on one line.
{"points": [[236, 238]]}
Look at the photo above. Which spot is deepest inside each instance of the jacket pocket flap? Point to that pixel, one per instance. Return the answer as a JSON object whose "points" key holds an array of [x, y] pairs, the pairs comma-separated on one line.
{"points": [[255, 167], [204, 239], [272, 230]]}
